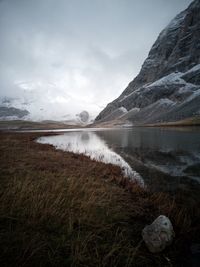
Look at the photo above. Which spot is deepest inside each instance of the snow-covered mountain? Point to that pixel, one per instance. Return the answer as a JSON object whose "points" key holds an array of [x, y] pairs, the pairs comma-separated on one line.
{"points": [[32, 109], [10, 113], [168, 85]]}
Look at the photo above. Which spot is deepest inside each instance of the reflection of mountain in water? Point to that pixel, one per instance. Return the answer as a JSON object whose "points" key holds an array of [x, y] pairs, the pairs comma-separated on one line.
{"points": [[91, 145], [166, 158]]}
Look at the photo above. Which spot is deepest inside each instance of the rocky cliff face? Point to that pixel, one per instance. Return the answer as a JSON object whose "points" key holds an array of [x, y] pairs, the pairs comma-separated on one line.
{"points": [[83, 116], [168, 85]]}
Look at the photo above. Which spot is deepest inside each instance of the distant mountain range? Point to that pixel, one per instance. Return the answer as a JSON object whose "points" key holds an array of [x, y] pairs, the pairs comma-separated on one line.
{"points": [[168, 85], [11, 113], [16, 109]]}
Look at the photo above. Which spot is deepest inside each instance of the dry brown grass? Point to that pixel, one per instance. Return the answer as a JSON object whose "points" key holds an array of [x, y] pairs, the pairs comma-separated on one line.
{"points": [[193, 121], [61, 209]]}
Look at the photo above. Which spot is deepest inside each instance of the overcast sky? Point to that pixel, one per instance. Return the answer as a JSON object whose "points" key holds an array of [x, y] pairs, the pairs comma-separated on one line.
{"points": [[63, 56]]}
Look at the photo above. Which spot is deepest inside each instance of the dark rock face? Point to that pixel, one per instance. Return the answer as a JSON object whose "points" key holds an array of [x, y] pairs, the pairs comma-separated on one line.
{"points": [[193, 77], [84, 116], [6, 112], [171, 70]]}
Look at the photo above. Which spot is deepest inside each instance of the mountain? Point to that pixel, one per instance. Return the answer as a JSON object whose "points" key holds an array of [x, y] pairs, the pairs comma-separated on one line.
{"points": [[168, 85], [10, 113], [27, 108], [15, 113], [84, 117]]}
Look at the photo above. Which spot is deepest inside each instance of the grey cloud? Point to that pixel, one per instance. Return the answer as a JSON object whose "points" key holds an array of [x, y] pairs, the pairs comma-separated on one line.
{"points": [[90, 50]]}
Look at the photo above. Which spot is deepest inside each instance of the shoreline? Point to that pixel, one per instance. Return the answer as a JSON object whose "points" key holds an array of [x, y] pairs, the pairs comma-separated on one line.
{"points": [[58, 208], [20, 125]]}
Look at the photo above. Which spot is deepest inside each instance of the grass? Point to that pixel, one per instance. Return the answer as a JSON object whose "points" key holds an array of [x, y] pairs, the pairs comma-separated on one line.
{"points": [[193, 121], [23, 124], [62, 209]]}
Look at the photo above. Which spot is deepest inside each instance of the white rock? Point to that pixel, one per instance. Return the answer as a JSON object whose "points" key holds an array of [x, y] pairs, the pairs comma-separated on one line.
{"points": [[159, 234]]}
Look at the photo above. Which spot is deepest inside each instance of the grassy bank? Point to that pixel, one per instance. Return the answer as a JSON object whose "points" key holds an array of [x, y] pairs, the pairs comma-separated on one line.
{"points": [[194, 121], [34, 125], [61, 209]]}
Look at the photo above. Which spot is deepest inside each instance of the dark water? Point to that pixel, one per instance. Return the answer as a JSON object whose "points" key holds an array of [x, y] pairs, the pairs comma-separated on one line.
{"points": [[168, 159]]}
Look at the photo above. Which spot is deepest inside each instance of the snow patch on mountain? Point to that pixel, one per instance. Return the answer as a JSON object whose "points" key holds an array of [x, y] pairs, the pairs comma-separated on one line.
{"points": [[123, 109], [194, 69], [166, 102], [174, 78]]}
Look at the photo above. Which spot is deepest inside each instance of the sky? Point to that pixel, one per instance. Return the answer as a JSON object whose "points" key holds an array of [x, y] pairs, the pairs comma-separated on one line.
{"points": [[59, 57]]}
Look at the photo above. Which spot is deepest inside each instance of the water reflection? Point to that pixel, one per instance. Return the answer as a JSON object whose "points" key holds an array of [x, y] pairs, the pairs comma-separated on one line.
{"points": [[167, 158], [165, 139], [90, 144]]}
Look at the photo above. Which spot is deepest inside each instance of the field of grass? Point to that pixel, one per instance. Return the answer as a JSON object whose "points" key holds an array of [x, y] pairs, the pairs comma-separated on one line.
{"points": [[62, 209], [194, 121], [22, 124]]}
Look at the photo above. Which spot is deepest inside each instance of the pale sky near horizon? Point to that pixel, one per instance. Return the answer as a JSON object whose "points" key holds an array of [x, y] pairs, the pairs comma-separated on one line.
{"points": [[63, 56]]}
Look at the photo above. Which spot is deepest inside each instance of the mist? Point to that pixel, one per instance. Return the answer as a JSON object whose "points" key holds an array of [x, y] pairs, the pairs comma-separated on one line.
{"points": [[58, 58]]}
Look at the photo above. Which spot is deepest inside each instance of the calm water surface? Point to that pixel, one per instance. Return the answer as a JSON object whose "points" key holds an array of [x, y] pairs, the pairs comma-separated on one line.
{"points": [[164, 158]]}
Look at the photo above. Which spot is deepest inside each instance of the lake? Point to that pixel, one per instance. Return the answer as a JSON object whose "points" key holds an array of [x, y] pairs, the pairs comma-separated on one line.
{"points": [[166, 159]]}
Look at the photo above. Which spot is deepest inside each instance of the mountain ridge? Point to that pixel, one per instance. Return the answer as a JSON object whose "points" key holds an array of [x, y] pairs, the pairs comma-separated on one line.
{"points": [[175, 58]]}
